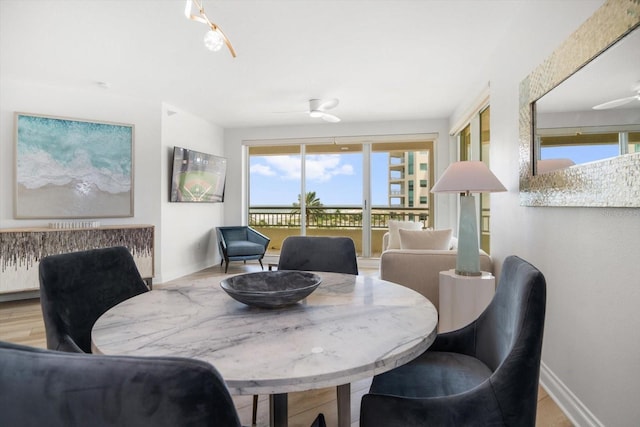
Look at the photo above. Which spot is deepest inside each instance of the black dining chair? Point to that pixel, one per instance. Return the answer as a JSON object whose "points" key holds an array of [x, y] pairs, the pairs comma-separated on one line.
{"points": [[315, 253], [41, 387], [51, 388], [485, 373], [318, 253], [77, 288]]}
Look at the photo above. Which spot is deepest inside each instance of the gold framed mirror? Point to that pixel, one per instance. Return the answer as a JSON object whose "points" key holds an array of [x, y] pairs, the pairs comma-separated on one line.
{"points": [[612, 182]]}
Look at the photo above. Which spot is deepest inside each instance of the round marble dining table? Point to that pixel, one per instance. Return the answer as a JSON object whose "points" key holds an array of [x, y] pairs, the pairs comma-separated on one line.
{"points": [[348, 329]]}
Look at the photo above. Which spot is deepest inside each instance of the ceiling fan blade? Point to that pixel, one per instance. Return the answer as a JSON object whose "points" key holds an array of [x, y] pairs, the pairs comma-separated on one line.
{"points": [[616, 103], [328, 104], [322, 104], [330, 118]]}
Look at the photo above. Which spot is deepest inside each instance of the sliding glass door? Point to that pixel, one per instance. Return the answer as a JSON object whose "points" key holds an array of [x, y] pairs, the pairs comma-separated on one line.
{"points": [[401, 180], [339, 189], [334, 191], [275, 183]]}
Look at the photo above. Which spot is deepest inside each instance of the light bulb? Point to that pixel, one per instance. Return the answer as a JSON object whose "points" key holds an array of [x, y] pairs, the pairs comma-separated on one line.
{"points": [[213, 40]]}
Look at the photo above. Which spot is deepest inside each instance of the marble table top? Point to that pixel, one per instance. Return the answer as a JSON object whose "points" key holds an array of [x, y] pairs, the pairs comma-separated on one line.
{"points": [[349, 328]]}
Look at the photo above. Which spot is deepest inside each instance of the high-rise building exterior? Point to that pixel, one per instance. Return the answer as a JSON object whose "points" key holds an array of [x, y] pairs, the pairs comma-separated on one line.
{"points": [[409, 179]]}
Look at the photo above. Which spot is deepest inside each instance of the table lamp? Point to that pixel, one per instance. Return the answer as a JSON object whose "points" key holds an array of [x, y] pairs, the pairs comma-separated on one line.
{"points": [[468, 177]]}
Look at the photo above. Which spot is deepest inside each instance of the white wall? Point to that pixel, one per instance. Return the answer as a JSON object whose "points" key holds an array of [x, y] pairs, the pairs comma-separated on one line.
{"points": [[591, 352], [233, 142], [91, 104], [188, 240], [182, 230]]}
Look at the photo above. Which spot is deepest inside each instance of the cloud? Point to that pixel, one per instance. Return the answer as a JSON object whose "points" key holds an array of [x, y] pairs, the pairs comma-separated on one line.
{"points": [[287, 167], [264, 170], [319, 168]]}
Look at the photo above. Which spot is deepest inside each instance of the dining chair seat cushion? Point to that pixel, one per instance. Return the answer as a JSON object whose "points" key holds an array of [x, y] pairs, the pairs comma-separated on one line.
{"points": [[244, 248], [433, 374]]}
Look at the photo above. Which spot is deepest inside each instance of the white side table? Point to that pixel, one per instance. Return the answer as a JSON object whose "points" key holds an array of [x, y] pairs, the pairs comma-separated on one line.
{"points": [[463, 298]]}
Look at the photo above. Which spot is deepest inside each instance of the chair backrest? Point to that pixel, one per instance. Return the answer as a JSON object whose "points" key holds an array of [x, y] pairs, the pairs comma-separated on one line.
{"points": [[50, 388], [232, 233], [307, 253], [509, 337], [76, 288]]}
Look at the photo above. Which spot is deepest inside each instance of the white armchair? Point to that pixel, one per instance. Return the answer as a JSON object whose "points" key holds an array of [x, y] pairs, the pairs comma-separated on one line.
{"points": [[419, 269]]}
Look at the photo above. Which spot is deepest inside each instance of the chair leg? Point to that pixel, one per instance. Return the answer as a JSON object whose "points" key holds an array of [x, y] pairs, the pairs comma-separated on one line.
{"points": [[254, 415], [261, 266], [226, 266]]}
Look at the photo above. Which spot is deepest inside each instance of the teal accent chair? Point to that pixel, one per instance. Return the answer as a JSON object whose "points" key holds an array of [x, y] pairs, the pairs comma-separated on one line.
{"points": [[241, 243]]}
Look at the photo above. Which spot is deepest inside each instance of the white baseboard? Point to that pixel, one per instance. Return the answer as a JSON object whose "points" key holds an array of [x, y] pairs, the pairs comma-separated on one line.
{"points": [[573, 408]]}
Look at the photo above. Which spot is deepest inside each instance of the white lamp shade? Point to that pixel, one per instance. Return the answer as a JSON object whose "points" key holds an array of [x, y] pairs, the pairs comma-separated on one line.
{"points": [[468, 177]]}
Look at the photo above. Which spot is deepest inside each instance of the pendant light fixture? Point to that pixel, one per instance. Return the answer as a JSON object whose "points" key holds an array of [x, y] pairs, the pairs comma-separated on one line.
{"points": [[214, 38]]}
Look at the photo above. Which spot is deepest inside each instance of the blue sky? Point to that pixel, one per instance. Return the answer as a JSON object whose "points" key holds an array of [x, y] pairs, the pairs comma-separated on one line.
{"points": [[336, 179], [580, 154]]}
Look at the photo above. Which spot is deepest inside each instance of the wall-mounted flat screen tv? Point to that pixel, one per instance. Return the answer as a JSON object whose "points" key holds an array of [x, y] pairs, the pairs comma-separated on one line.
{"points": [[197, 177]]}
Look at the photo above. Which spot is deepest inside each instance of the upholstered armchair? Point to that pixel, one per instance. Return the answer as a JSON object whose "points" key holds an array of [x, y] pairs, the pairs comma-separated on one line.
{"points": [[485, 373], [419, 269], [241, 243]]}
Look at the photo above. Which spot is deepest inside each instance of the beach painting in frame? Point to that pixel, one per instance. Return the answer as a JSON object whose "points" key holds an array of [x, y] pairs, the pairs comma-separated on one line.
{"points": [[72, 168]]}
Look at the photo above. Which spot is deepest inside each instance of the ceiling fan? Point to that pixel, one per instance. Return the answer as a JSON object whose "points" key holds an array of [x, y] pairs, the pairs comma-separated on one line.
{"points": [[319, 107], [620, 101]]}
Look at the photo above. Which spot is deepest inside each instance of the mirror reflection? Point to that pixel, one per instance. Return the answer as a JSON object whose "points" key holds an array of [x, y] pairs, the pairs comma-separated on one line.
{"points": [[594, 114]]}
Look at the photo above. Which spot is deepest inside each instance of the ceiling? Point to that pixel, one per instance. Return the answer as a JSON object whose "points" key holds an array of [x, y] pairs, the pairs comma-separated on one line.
{"points": [[384, 60]]}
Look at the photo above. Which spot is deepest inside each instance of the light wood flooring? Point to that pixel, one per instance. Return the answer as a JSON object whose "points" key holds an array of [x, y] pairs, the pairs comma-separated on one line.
{"points": [[21, 322]]}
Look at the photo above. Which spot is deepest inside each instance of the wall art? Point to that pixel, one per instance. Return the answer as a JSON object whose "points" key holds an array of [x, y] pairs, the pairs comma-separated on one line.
{"points": [[72, 168]]}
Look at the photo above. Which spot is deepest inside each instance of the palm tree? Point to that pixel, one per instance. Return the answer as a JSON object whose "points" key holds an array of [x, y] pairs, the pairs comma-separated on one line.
{"points": [[312, 205]]}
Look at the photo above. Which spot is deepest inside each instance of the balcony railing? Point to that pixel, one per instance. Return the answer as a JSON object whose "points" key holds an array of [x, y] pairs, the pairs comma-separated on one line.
{"points": [[332, 217]]}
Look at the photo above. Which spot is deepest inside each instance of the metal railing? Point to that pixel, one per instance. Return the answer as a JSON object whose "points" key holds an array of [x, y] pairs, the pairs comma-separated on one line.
{"points": [[332, 217]]}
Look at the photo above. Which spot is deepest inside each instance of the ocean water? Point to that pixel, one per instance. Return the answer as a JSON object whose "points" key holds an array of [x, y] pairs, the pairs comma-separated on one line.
{"points": [[66, 152]]}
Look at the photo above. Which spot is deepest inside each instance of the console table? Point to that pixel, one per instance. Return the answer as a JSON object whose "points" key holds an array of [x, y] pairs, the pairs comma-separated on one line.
{"points": [[21, 250]]}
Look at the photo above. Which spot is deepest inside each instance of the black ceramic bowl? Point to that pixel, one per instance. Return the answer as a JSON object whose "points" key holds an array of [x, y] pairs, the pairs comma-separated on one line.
{"points": [[271, 288]]}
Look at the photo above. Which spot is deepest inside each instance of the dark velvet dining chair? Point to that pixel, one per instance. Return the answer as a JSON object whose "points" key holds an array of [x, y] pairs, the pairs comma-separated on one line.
{"points": [[59, 389], [318, 253], [76, 288], [484, 374], [50, 388]]}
